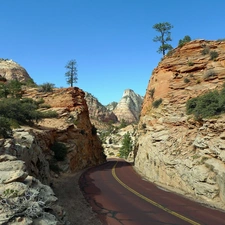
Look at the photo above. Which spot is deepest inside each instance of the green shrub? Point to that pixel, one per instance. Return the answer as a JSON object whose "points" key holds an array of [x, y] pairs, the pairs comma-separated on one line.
{"points": [[60, 150], [213, 55], [157, 103], [46, 87], [190, 63], [44, 106], [49, 114], [207, 105], [126, 145], [22, 112], [151, 92], [205, 50], [5, 130], [186, 80], [183, 41]]}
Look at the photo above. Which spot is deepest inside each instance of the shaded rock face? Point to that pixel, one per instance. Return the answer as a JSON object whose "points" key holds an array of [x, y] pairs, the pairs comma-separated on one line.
{"points": [[98, 111], [72, 127], [24, 199], [129, 107], [11, 70], [173, 149]]}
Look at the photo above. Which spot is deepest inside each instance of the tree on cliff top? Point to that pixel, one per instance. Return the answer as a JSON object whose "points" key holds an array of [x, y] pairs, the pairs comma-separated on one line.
{"points": [[71, 74], [164, 30]]}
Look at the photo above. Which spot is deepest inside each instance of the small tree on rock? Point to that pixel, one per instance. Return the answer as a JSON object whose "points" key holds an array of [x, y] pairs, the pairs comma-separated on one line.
{"points": [[71, 74], [164, 30]]}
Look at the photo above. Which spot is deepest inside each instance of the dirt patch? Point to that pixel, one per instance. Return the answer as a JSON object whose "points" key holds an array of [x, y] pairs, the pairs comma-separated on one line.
{"points": [[70, 197]]}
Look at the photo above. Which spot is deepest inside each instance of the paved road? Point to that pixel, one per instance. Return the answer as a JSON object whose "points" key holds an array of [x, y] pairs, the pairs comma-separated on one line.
{"points": [[121, 197]]}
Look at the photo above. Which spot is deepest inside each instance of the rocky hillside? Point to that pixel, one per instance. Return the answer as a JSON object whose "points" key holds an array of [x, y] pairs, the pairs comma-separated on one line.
{"points": [[129, 107], [27, 162], [174, 149], [10, 70], [98, 111]]}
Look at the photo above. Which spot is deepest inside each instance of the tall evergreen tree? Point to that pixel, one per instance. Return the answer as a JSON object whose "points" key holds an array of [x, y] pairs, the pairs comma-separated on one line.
{"points": [[71, 74], [164, 30]]}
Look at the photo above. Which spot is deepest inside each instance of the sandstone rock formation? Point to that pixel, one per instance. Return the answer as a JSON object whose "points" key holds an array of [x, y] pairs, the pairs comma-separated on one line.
{"points": [[129, 106], [72, 127], [11, 70], [24, 199], [98, 111], [173, 149]]}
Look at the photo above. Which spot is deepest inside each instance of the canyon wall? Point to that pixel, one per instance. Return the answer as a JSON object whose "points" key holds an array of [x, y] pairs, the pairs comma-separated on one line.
{"points": [[175, 150]]}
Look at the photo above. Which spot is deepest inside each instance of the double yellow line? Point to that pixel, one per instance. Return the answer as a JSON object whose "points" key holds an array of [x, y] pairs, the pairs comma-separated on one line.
{"points": [[151, 201]]}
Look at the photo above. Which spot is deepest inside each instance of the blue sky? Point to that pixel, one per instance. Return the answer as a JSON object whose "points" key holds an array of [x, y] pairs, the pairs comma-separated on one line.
{"points": [[111, 40]]}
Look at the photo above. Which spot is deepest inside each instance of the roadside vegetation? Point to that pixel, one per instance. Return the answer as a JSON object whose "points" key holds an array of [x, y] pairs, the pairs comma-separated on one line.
{"points": [[126, 147], [208, 105], [16, 111]]}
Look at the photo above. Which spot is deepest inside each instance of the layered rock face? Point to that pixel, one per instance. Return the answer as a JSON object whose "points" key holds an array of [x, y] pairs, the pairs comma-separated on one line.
{"points": [[173, 149], [11, 70], [98, 111], [129, 106]]}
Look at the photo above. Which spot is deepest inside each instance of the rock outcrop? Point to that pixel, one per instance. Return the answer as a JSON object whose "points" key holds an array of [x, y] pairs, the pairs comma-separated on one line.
{"points": [[129, 107], [98, 111], [24, 199], [10, 70], [173, 149], [72, 127]]}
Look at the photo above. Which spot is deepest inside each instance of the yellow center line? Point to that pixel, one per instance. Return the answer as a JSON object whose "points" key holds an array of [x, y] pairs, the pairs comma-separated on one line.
{"points": [[151, 201]]}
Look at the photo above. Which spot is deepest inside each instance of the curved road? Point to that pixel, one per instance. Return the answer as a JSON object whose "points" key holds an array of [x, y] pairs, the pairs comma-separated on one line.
{"points": [[121, 197]]}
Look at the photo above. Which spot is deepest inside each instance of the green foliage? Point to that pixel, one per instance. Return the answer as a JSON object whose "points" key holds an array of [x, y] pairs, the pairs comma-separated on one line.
{"points": [[207, 105], [29, 83], [152, 92], [183, 41], [15, 109], [190, 63], [12, 88], [213, 55], [126, 145], [46, 87], [157, 103], [44, 106], [186, 80], [71, 74], [123, 124], [60, 150], [205, 50], [165, 36], [5, 130], [49, 114]]}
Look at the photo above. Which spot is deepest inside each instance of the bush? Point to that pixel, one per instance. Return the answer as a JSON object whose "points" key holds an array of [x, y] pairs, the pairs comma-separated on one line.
{"points": [[49, 114], [21, 111], [151, 92], [60, 151], [205, 50], [190, 63], [46, 87], [157, 103], [5, 130], [185, 40], [186, 80], [126, 145], [213, 55], [207, 105]]}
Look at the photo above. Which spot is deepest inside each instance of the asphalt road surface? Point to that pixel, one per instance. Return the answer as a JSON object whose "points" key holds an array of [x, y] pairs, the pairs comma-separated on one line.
{"points": [[121, 197]]}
